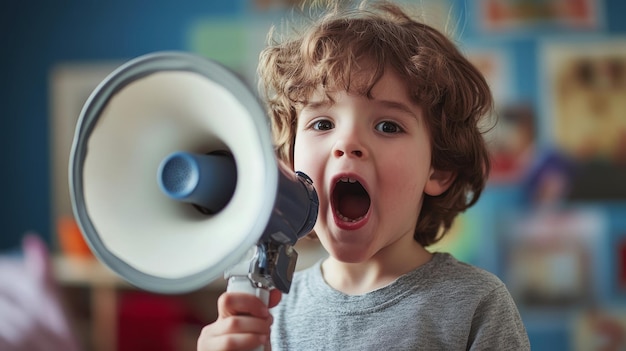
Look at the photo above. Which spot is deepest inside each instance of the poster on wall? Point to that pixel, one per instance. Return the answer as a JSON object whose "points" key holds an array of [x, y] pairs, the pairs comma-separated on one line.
{"points": [[554, 257], [599, 328], [497, 16], [495, 66], [510, 132], [512, 142], [233, 42], [585, 104], [587, 91]]}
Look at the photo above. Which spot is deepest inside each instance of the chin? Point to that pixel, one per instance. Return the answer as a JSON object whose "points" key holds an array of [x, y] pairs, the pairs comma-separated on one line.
{"points": [[349, 246], [349, 253]]}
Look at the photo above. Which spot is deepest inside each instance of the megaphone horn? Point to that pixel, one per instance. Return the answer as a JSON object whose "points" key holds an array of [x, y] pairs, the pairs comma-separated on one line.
{"points": [[173, 179]]}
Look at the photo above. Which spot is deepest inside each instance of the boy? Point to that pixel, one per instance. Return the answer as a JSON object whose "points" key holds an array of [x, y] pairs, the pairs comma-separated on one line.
{"points": [[381, 112]]}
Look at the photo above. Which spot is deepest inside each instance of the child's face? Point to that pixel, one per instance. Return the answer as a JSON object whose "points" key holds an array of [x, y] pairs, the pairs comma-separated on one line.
{"points": [[384, 145]]}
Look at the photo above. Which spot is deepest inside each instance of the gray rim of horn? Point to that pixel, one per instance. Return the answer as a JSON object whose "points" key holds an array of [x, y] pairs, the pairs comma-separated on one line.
{"points": [[133, 70]]}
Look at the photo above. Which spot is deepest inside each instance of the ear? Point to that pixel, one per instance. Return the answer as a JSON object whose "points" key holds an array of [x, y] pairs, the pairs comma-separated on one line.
{"points": [[438, 182]]}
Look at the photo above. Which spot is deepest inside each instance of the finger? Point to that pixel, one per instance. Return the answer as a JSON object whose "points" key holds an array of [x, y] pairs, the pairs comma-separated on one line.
{"points": [[275, 297], [241, 324], [243, 341], [231, 304]]}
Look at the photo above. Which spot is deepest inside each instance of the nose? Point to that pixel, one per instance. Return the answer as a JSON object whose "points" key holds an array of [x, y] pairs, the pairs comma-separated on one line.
{"points": [[350, 145], [355, 153]]}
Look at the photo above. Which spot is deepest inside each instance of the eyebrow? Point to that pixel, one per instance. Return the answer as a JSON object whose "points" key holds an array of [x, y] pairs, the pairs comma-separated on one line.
{"points": [[313, 105], [396, 105], [390, 104]]}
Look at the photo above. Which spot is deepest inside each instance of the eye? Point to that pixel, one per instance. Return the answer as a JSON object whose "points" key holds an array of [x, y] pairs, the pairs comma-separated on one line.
{"points": [[322, 124], [388, 127]]}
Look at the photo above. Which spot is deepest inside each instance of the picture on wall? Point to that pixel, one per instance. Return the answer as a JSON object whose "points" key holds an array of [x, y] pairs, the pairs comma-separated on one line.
{"points": [[523, 15], [585, 104], [233, 42], [512, 142], [554, 258], [587, 90], [511, 131], [599, 328]]}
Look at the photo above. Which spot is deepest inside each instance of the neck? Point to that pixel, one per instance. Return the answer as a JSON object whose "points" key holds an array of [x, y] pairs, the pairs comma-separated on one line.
{"points": [[383, 268]]}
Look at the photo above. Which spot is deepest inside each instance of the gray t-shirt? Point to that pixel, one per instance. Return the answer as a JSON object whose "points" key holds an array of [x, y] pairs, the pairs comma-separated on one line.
{"points": [[442, 305]]}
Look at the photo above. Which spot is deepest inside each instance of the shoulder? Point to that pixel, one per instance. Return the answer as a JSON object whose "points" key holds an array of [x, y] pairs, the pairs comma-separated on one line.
{"points": [[489, 309], [495, 319], [453, 288], [447, 272]]}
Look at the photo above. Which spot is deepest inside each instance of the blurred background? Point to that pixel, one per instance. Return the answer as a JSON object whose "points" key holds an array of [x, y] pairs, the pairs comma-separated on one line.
{"points": [[551, 223]]}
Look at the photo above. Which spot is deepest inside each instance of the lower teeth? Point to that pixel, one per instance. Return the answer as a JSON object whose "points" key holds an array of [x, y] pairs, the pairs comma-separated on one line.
{"points": [[346, 219]]}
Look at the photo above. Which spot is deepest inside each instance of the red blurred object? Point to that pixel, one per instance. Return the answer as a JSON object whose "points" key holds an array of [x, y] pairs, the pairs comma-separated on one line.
{"points": [[149, 322]]}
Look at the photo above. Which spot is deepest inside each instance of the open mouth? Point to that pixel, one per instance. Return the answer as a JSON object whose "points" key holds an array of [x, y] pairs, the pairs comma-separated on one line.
{"points": [[350, 200]]}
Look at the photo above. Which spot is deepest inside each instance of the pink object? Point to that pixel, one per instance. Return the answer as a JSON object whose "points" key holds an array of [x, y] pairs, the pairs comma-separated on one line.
{"points": [[31, 316]]}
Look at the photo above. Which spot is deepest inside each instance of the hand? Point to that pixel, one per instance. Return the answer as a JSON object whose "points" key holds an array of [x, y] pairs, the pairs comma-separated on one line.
{"points": [[243, 323]]}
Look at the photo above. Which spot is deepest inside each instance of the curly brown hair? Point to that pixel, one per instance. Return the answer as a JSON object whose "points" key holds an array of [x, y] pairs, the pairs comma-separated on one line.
{"points": [[452, 92]]}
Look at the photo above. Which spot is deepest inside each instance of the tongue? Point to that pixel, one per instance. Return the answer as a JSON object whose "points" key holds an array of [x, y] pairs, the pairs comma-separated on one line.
{"points": [[353, 206]]}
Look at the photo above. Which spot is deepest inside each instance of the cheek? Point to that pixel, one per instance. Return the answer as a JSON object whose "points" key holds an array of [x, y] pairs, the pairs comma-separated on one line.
{"points": [[300, 158], [304, 160], [402, 203], [307, 159], [404, 179]]}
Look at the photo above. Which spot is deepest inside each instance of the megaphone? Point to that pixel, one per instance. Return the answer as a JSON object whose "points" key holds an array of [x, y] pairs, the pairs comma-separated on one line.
{"points": [[174, 180]]}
